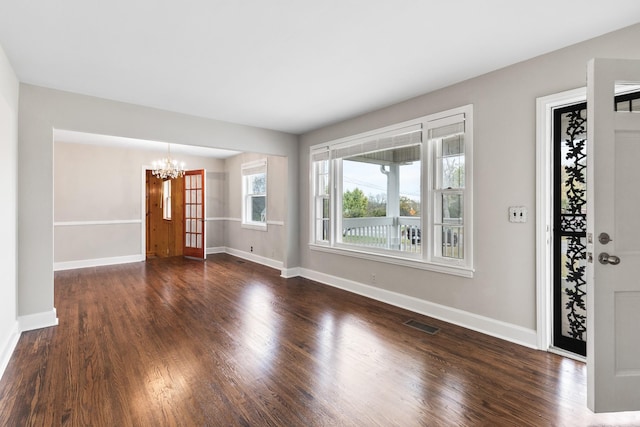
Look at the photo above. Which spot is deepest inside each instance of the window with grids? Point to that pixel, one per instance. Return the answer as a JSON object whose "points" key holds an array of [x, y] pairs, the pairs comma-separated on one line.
{"points": [[401, 192], [254, 200], [447, 139]]}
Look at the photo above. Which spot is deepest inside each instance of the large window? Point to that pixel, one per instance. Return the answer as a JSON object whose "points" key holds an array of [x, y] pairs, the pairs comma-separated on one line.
{"points": [[398, 194], [254, 200]]}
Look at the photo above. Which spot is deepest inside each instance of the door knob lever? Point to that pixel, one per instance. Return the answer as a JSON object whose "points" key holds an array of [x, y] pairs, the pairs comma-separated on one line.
{"points": [[605, 258]]}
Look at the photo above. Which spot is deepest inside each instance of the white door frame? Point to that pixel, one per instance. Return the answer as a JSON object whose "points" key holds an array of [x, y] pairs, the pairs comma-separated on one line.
{"points": [[544, 217]]}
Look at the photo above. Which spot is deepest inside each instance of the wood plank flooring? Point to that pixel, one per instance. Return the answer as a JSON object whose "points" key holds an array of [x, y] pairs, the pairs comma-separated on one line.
{"points": [[179, 342]]}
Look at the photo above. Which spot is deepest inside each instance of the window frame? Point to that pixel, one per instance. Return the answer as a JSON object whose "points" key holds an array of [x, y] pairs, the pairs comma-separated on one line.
{"points": [[248, 170], [166, 200], [428, 259]]}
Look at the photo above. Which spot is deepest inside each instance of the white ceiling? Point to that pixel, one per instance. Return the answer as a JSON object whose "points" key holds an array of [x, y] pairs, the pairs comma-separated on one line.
{"points": [[289, 65]]}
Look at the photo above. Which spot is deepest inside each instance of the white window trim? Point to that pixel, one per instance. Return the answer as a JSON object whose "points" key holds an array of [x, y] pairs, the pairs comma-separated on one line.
{"points": [[463, 268], [247, 169], [429, 192]]}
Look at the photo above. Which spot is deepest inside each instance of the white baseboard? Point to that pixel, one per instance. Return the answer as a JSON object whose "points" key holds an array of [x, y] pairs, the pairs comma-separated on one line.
{"points": [[288, 273], [496, 328], [38, 320], [216, 250], [23, 324], [255, 258], [8, 346], [97, 262]]}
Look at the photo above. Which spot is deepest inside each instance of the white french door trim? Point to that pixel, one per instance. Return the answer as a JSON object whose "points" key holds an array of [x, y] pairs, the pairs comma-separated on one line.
{"points": [[544, 205]]}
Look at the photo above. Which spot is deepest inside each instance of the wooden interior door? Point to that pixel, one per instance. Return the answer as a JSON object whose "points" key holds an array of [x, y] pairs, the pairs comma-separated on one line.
{"points": [[613, 241], [194, 214], [163, 235]]}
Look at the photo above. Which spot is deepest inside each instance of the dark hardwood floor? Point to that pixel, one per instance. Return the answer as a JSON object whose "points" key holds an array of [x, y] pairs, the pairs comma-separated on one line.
{"points": [[178, 342]]}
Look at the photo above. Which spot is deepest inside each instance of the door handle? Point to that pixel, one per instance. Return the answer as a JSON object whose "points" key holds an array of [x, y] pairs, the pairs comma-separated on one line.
{"points": [[605, 258]]}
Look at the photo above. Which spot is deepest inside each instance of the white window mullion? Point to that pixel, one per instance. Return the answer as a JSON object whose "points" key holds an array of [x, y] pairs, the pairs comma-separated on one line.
{"points": [[336, 201]]}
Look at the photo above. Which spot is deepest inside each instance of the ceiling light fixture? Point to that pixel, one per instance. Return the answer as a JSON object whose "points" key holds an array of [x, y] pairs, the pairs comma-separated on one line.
{"points": [[168, 168]]}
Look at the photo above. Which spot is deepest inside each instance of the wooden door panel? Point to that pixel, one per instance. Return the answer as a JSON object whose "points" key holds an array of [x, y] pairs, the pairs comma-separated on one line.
{"points": [[164, 236]]}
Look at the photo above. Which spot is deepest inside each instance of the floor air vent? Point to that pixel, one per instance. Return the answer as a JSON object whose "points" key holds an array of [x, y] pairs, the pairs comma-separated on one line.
{"points": [[431, 330]]}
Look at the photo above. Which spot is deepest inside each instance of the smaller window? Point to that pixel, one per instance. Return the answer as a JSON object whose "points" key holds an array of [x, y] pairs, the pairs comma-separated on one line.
{"points": [[254, 200], [447, 137], [166, 200]]}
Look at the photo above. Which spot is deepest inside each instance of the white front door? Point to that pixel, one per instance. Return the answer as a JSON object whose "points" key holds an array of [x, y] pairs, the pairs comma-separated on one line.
{"points": [[613, 267]]}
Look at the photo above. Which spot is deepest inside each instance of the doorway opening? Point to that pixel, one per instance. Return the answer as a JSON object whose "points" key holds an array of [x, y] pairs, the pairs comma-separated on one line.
{"points": [[175, 215], [164, 213]]}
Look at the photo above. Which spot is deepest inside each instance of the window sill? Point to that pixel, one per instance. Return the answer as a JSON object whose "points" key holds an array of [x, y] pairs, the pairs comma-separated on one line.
{"points": [[254, 226], [396, 260]]}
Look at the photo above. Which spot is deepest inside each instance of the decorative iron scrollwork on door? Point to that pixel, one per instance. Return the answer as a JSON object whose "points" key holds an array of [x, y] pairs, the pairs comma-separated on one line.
{"points": [[570, 318], [574, 221]]}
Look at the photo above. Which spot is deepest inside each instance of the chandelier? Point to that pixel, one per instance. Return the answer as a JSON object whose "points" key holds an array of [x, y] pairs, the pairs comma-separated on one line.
{"points": [[168, 168]]}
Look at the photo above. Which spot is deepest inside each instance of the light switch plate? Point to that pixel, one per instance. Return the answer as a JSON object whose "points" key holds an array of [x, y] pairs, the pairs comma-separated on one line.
{"points": [[517, 214]]}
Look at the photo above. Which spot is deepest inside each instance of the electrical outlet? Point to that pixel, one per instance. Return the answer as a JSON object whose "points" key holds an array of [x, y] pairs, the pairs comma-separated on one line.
{"points": [[373, 277], [517, 214], [251, 248]]}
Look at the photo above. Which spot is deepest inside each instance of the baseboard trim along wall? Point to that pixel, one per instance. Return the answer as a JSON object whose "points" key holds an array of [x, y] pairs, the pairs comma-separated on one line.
{"points": [[38, 320], [496, 328], [7, 348], [97, 262], [216, 250], [23, 324], [288, 273], [249, 256]]}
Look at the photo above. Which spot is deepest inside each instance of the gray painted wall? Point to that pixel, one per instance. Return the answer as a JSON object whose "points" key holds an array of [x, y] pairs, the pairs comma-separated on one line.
{"points": [[504, 285], [8, 226], [104, 183]]}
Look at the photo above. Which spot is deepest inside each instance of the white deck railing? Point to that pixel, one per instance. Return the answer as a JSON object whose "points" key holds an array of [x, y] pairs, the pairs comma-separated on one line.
{"points": [[396, 233]]}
